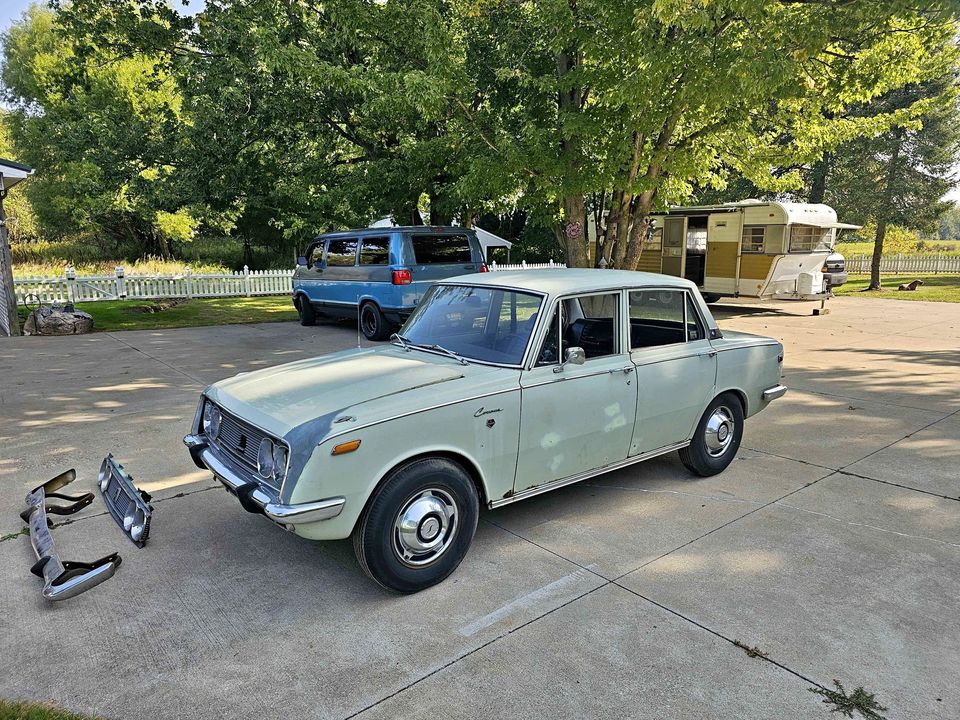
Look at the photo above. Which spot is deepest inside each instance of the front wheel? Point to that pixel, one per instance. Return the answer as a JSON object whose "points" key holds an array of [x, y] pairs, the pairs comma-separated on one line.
{"points": [[710, 298], [418, 526], [717, 437], [308, 316], [372, 322]]}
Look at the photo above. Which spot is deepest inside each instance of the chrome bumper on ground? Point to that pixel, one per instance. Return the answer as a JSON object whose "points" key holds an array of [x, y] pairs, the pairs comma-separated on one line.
{"points": [[61, 579], [257, 498], [774, 392]]}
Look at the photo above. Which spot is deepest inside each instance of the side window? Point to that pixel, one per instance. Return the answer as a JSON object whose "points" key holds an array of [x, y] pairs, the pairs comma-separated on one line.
{"points": [[656, 318], [375, 251], [314, 254], [550, 350], [751, 241], [807, 238], [441, 249], [695, 329], [342, 252], [594, 327]]}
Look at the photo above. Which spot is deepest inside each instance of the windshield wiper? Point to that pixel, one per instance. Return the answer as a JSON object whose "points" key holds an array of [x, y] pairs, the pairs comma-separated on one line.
{"points": [[404, 343], [450, 353]]}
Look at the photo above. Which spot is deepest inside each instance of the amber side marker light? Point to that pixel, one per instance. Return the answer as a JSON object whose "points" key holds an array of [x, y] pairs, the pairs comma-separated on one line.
{"points": [[346, 447]]}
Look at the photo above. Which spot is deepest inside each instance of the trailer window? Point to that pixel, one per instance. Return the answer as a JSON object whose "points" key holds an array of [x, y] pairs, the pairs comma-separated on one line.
{"points": [[751, 241], [807, 238]]}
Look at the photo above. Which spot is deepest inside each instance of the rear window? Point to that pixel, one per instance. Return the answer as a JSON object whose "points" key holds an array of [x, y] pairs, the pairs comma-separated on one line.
{"points": [[342, 252], [440, 249]]}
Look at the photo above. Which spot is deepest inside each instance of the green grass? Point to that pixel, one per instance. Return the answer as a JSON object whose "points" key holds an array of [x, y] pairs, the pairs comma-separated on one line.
{"points": [[942, 247], [939, 288], [110, 315], [10, 710]]}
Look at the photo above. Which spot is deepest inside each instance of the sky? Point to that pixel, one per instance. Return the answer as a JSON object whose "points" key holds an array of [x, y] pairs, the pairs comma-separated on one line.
{"points": [[10, 10]]}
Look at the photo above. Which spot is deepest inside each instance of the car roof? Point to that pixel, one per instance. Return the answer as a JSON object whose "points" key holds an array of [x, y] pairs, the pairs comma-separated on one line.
{"points": [[563, 281], [380, 231]]}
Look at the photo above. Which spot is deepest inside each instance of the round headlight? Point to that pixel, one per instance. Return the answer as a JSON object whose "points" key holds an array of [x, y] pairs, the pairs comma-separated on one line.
{"points": [[265, 458], [104, 477], [279, 460], [211, 420], [136, 532], [128, 521]]}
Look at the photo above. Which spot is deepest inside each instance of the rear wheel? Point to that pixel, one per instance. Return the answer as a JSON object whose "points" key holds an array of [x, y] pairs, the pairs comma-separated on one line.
{"points": [[372, 322], [717, 437], [418, 526], [308, 316], [710, 297]]}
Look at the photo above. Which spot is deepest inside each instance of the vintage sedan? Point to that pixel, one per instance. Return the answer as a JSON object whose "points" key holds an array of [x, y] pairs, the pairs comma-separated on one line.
{"points": [[499, 387]]}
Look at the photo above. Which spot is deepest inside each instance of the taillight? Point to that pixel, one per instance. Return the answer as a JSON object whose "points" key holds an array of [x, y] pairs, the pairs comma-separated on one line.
{"points": [[484, 268], [402, 277]]}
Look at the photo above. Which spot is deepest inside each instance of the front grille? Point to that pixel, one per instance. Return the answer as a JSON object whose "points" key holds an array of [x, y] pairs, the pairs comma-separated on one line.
{"points": [[239, 441]]}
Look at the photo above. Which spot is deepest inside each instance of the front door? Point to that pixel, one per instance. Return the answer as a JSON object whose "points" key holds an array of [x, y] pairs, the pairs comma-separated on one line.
{"points": [[676, 367], [576, 418]]}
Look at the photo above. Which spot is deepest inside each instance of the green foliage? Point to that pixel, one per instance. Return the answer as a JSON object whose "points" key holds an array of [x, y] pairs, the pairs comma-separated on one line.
{"points": [[950, 224], [13, 710], [859, 701], [22, 223]]}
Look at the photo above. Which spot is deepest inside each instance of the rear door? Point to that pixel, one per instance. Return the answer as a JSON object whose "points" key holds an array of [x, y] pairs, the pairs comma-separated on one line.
{"points": [[437, 256], [676, 366]]}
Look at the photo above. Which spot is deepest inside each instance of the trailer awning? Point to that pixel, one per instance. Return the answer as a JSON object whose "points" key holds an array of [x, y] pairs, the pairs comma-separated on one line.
{"points": [[12, 173], [841, 226]]}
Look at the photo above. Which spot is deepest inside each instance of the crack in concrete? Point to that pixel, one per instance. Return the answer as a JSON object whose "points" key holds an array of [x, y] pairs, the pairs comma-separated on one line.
{"points": [[187, 375]]}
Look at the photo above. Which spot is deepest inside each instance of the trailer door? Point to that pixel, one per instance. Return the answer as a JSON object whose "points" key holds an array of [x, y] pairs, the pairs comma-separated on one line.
{"points": [[674, 246]]}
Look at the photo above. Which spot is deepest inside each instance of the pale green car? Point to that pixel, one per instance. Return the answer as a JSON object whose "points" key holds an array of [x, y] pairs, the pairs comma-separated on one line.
{"points": [[499, 387]]}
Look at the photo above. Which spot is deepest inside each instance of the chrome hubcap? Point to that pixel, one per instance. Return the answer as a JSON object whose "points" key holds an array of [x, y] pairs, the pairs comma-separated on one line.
{"points": [[719, 432], [425, 527]]}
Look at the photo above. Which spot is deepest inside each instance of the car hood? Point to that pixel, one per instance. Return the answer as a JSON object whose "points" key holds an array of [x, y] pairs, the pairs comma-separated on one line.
{"points": [[281, 398]]}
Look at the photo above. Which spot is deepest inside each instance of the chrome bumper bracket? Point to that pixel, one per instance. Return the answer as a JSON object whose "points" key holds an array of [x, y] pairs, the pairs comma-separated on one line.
{"points": [[775, 392], [62, 579]]}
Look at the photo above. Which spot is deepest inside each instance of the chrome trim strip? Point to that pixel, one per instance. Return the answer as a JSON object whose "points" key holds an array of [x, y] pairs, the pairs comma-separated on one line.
{"points": [[305, 512], [562, 482], [355, 428], [775, 392]]}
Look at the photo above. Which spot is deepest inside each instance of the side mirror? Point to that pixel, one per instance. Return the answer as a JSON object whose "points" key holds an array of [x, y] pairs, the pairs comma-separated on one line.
{"points": [[302, 261], [572, 356]]}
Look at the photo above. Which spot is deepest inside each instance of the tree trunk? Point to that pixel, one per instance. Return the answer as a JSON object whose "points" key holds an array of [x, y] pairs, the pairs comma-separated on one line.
{"points": [[818, 179], [877, 254], [883, 215], [571, 233]]}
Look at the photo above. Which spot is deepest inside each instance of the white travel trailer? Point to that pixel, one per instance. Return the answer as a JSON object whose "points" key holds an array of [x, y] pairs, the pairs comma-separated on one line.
{"points": [[754, 248]]}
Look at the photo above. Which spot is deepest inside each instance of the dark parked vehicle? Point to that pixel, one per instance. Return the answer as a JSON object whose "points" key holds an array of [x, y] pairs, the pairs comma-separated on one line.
{"points": [[380, 273], [834, 271]]}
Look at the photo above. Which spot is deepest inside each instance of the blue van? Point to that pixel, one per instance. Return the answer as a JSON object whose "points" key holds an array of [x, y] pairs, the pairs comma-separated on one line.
{"points": [[379, 272]]}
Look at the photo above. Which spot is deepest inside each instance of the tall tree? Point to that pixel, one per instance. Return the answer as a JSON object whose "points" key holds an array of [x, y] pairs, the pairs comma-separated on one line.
{"points": [[616, 109], [900, 176], [100, 127]]}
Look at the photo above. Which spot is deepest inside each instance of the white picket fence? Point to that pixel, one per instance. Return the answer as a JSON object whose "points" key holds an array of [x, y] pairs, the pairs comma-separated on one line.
{"points": [[860, 264], [71, 287], [494, 266]]}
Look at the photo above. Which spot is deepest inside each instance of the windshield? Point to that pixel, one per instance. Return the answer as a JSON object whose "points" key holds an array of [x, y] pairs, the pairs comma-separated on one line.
{"points": [[477, 323]]}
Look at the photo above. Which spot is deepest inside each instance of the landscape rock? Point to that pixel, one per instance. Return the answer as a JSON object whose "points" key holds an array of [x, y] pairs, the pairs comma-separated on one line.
{"points": [[56, 320]]}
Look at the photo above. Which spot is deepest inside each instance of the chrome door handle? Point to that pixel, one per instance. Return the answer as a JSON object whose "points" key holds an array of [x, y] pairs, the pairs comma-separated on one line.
{"points": [[624, 370]]}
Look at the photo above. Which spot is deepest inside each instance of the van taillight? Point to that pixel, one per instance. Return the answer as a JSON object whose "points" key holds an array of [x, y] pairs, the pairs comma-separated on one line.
{"points": [[402, 277], [484, 268]]}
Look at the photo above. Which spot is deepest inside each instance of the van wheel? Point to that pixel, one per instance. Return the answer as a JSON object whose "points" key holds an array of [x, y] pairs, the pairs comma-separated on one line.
{"points": [[372, 322], [418, 525], [308, 316], [717, 437], [710, 298]]}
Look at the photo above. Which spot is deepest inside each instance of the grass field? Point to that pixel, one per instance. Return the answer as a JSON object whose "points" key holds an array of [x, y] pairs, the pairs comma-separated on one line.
{"points": [[939, 288], [34, 711], [943, 247], [111, 315]]}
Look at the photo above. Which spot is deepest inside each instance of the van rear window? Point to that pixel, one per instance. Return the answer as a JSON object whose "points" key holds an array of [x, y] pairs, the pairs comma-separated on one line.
{"points": [[440, 249]]}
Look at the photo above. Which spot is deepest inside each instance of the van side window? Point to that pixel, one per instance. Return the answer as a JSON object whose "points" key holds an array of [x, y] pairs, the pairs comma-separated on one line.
{"points": [[314, 254], [441, 249], [342, 252], [656, 318], [375, 251]]}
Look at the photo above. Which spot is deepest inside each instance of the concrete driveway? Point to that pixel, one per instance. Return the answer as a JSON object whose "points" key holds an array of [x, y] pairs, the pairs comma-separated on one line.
{"points": [[831, 545]]}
